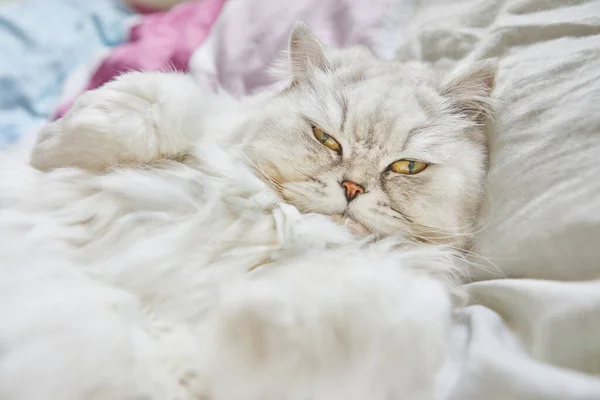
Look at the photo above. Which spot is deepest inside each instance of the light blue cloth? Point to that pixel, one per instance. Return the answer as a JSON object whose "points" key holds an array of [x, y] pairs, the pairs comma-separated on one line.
{"points": [[41, 43]]}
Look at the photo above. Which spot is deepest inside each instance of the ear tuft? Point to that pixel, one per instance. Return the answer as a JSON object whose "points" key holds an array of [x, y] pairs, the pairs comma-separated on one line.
{"points": [[306, 53], [470, 90]]}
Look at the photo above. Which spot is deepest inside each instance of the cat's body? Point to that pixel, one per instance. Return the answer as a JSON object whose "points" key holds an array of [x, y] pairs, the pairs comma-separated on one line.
{"points": [[168, 266]]}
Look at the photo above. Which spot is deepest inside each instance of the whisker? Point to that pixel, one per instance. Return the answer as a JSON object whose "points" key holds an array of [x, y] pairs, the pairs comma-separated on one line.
{"points": [[464, 231], [401, 214], [496, 270], [277, 185], [304, 174]]}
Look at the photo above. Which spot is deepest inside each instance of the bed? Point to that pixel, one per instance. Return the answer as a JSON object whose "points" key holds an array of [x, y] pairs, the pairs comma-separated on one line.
{"points": [[531, 329]]}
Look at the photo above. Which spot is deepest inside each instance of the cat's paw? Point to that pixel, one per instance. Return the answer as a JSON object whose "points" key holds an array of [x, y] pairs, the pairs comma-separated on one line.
{"points": [[331, 327], [137, 118]]}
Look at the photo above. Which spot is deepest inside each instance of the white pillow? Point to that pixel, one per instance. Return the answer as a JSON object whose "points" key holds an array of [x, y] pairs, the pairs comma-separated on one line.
{"points": [[541, 216]]}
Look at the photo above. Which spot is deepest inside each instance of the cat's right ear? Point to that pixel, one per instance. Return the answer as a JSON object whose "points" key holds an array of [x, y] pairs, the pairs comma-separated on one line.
{"points": [[470, 90], [306, 53]]}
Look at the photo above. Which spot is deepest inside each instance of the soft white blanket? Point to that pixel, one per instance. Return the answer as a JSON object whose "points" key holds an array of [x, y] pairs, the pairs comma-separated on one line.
{"points": [[536, 336], [526, 339]]}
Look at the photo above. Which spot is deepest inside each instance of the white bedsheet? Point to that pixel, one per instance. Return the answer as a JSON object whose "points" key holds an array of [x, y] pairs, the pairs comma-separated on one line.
{"points": [[527, 339], [536, 336]]}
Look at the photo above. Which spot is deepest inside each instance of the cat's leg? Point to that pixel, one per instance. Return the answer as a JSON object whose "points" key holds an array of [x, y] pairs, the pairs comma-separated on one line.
{"points": [[137, 118], [341, 325]]}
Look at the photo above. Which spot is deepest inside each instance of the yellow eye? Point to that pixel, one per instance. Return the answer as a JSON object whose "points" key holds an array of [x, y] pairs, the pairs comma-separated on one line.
{"points": [[408, 167], [326, 140]]}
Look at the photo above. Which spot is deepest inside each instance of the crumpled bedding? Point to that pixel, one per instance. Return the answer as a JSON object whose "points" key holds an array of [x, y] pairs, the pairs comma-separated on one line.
{"points": [[157, 41], [526, 339], [224, 44], [518, 338], [229, 45], [536, 335]]}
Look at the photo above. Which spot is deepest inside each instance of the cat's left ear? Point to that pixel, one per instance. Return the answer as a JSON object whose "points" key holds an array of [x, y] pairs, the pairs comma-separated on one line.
{"points": [[306, 53], [470, 90]]}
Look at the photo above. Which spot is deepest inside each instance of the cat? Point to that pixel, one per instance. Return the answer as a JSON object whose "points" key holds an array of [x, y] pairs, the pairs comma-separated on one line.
{"points": [[296, 244], [387, 148]]}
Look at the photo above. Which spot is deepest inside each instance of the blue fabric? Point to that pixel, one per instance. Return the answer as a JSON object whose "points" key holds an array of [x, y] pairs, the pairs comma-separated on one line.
{"points": [[41, 43]]}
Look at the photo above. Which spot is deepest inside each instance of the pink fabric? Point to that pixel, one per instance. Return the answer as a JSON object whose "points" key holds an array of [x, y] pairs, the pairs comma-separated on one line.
{"points": [[161, 41], [141, 8], [245, 39], [250, 34]]}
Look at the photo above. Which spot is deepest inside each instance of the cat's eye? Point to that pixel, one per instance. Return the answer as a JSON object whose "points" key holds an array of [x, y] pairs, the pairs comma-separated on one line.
{"points": [[326, 140], [408, 167]]}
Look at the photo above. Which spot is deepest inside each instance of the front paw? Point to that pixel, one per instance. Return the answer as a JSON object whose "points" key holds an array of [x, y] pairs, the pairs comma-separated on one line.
{"points": [[336, 326], [133, 119]]}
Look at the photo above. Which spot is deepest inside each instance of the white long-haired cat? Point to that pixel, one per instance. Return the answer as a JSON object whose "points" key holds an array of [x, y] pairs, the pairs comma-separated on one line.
{"points": [[173, 245]]}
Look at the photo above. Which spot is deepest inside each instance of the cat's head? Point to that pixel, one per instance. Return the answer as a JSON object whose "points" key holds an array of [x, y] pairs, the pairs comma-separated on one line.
{"points": [[385, 147]]}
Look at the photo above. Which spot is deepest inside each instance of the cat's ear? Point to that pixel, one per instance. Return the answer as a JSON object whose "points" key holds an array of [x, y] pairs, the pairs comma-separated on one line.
{"points": [[470, 90], [306, 53]]}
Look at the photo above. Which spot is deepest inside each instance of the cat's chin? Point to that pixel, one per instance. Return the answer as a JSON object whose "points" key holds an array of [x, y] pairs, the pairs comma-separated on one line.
{"points": [[353, 226]]}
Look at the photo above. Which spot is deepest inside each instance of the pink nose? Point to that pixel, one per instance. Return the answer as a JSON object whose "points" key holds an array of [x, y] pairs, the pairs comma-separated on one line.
{"points": [[352, 190]]}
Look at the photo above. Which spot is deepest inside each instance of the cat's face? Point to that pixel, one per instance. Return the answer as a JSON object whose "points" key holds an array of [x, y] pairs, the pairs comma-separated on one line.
{"points": [[382, 147]]}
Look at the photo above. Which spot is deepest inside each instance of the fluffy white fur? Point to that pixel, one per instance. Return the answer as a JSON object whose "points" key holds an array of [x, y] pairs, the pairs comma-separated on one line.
{"points": [[134, 270], [138, 283]]}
